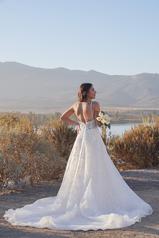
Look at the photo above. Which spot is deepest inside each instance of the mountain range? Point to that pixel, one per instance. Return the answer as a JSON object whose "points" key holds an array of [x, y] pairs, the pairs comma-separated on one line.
{"points": [[27, 88]]}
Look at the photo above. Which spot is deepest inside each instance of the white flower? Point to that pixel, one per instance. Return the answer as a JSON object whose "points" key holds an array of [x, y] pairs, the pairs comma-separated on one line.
{"points": [[103, 118]]}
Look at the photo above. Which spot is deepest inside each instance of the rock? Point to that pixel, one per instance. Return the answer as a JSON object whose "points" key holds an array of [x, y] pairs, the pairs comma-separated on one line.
{"points": [[27, 180], [11, 184]]}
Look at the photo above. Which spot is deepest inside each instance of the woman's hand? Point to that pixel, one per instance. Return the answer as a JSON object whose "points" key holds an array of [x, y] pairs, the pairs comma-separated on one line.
{"points": [[97, 110], [78, 128], [98, 123]]}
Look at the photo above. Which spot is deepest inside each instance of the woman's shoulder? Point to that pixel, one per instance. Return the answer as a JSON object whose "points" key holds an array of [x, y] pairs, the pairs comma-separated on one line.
{"points": [[75, 105], [96, 102], [96, 105]]}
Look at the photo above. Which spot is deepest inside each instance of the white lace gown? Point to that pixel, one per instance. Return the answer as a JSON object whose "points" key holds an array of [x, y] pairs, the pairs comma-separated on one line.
{"points": [[93, 195]]}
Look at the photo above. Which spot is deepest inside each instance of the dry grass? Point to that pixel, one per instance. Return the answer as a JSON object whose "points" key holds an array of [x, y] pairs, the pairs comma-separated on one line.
{"points": [[24, 151], [138, 147], [42, 153]]}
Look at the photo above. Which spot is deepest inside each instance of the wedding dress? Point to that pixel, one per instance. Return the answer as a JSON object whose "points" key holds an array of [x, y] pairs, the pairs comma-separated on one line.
{"points": [[93, 195]]}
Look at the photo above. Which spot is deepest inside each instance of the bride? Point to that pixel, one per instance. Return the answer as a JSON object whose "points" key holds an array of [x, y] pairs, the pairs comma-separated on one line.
{"points": [[93, 195]]}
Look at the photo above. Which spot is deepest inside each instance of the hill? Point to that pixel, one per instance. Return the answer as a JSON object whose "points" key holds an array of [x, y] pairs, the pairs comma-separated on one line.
{"points": [[27, 88]]}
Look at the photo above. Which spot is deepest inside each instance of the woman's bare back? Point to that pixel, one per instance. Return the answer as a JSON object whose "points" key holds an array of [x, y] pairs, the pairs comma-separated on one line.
{"points": [[84, 111]]}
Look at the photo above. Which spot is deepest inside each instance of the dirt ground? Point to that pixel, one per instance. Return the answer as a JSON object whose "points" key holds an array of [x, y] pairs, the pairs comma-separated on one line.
{"points": [[144, 182]]}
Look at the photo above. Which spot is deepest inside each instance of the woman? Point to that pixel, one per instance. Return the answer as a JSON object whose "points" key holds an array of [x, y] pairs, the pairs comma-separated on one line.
{"points": [[93, 195]]}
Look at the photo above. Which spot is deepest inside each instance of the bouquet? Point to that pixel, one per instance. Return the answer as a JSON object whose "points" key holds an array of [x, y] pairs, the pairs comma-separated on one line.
{"points": [[104, 121]]}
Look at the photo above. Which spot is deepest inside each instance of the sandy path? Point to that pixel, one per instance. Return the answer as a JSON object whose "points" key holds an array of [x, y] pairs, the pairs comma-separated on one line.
{"points": [[144, 182]]}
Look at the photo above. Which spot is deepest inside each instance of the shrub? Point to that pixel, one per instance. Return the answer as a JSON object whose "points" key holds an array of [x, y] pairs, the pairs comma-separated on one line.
{"points": [[60, 135], [25, 152], [137, 148]]}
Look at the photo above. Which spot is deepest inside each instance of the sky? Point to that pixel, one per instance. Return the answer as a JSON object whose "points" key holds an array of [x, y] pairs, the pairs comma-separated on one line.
{"points": [[109, 36]]}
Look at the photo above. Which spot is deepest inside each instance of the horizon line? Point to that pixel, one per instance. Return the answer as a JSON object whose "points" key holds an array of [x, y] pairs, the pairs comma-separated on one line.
{"points": [[65, 68]]}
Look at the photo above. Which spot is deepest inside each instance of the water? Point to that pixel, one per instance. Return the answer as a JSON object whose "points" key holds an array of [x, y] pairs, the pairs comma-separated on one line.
{"points": [[119, 129]]}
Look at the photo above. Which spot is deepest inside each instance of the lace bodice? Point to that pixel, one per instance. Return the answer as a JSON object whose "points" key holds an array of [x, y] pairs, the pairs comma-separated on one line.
{"points": [[88, 124]]}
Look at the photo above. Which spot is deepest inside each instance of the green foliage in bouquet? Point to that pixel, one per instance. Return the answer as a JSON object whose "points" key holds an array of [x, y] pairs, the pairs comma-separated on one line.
{"points": [[104, 122]]}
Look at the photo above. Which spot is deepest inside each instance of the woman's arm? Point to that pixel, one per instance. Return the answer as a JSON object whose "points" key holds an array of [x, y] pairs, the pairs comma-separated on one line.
{"points": [[96, 111], [65, 116]]}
